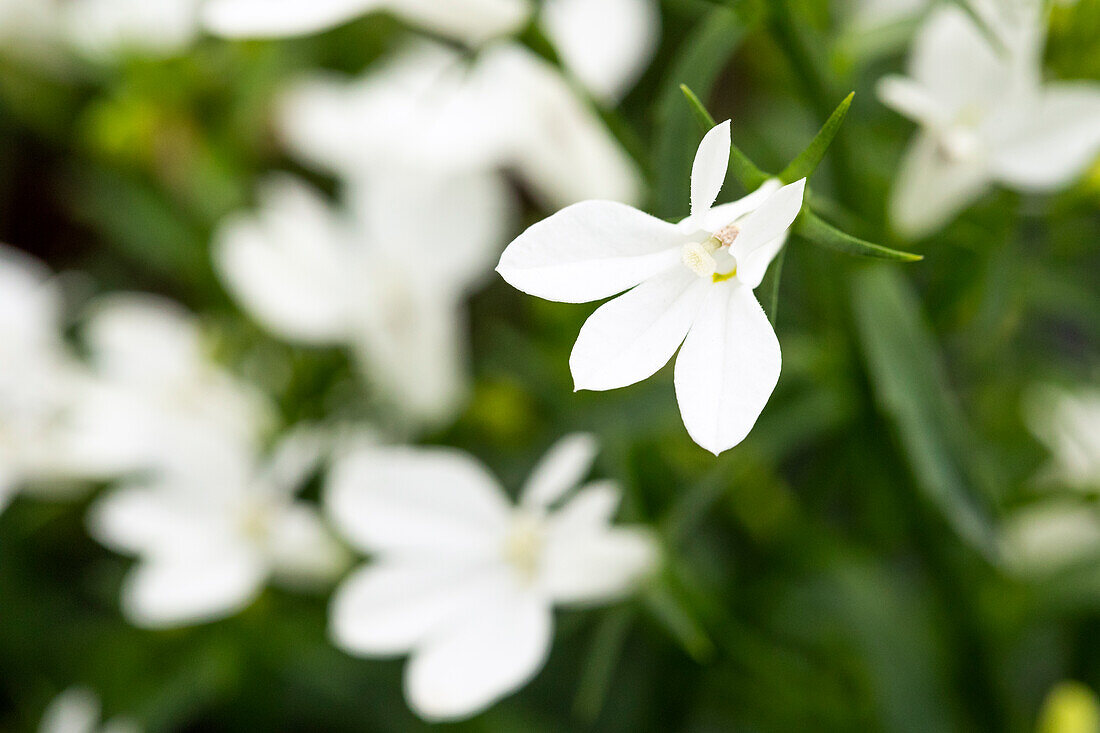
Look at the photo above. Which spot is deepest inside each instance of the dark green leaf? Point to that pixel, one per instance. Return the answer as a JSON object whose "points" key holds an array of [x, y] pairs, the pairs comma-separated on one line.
{"points": [[812, 227], [807, 161], [911, 388]]}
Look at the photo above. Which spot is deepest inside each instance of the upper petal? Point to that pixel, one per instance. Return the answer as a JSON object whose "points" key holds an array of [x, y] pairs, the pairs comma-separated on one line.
{"points": [[727, 368], [596, 566], [634, 335], [301, 549], [189, 589], [560, 470], [723, 214], [592, 506], [770, 220], [1052, 140], [493, 653], [708, 171], [930, 189], [589, 251], [425, 501]]}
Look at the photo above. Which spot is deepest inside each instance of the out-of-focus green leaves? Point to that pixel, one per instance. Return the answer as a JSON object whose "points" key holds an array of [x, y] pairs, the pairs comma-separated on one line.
{"points": [[812, 227], [806, 162], [912, 390], [706, 51], [741, 168]]}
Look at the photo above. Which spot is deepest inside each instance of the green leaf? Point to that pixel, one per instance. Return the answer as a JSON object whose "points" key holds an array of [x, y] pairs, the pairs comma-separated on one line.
{"points": [[606, 649], [911, 388], [672, 611], [771, 286], [704, 54], [807, 161], [812, 227], [744, 170]]}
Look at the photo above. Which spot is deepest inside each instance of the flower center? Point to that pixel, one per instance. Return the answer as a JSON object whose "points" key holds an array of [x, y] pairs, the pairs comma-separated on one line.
{"points": [[523, 545], [711, 258]]}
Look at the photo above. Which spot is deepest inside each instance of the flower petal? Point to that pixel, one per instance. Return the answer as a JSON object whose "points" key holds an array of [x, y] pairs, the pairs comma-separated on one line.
{"points": [[607, 63], [301, 549], [288, 266], [416, 500], [591, 567], [76, 710], [492, 654], [273, 19], [592, 506], [391, 606], [930, 190], [30, 303], [1050, 535], [769, 221], [708, 171], [182, 590], [590, 251], [727, 368], [634, 335], [723, 214], [1053, 141], [560, 470]]}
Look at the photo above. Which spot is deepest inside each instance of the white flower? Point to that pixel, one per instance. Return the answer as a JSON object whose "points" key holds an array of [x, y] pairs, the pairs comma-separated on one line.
{"points": [[77, 710], [432, 109], [386, 280], [465, 581], [208, 538], [692, 284], [50, 421], [1068, 423], [471, 21], [169, 404], [29, 29], [1050, 535], [985, 118], [105, 28]]}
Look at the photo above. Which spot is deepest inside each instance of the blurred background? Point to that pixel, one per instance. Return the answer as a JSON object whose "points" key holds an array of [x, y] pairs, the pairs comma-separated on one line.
{"points": [[228, 225]]}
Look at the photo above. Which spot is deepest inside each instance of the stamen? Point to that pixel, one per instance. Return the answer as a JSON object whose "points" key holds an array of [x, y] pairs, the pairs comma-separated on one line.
{"points": [[727, 234], [523, 545], [697, 258]]}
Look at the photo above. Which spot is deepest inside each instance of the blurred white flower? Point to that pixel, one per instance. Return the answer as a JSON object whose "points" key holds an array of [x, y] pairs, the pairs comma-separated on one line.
{"points": [[77, 710], [386, 279], [692, 284], [465, 581], [105, 28], [470, 21], [169, 404], [50, 423], [29, 28], [985, 118], [432, 109], [209, 538], [1068, 423], [607, 63], [1050, 535]]}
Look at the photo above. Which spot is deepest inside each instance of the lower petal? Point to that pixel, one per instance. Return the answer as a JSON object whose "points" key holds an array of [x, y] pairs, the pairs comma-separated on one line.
{"points": [[931, 190], [727, 369], [634, 335], [492, 654], [179, 591]]}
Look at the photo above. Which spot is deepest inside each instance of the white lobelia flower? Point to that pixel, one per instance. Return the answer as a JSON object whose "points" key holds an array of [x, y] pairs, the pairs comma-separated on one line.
{"points": [[433, 109], [208, 538], [692, 283], [1050, 535], [77, 710], [463, 580], [985, 117], [386, 279], [50, 418], [1068, 424], [103, 29], [170, 405], [470, 21]]}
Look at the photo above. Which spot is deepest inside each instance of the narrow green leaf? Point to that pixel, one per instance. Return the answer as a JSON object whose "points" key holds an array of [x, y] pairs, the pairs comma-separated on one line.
{"points": [[812, 227], [911, 388], [771, 286], [807, 161], [702, 116], [673, 612], [606, 649], [744, 170], [698, 62]]}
